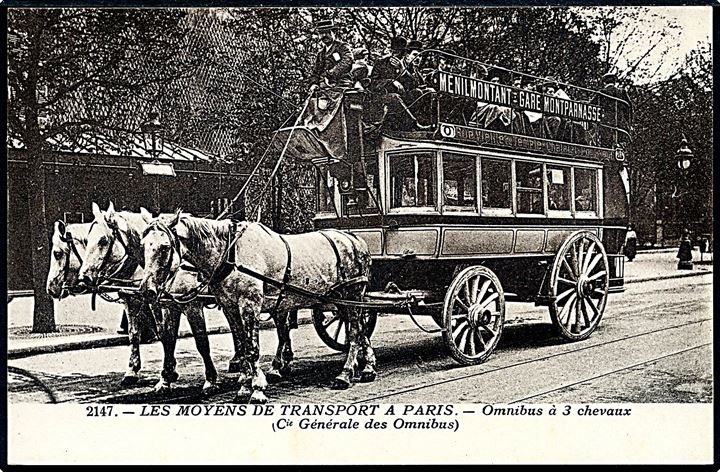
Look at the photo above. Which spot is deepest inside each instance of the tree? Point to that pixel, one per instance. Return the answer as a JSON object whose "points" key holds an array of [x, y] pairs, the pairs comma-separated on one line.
{"points": [[76, 70], [666, 111]]}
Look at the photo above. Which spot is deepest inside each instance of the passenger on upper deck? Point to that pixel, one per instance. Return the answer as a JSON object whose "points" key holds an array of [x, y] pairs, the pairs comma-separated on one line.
{"points": [[418, 95], [616, 114], [386, 103], [360, 71], [334, 60]]}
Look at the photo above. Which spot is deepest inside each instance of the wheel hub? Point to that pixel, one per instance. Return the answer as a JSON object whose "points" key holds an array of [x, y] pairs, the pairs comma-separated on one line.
{"points": [[584, 286], [478, 316]]}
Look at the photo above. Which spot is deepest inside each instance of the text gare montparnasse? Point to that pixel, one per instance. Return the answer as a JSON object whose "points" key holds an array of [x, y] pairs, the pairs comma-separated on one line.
{"points": [[504, 95]]}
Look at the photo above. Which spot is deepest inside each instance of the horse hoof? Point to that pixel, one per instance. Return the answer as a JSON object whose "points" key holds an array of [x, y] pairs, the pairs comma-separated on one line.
{"points": [[258, 398], [162, 387], [273, 376], [172, 377], [341, 383], [367, 376], [234, 367], [129, 380], [209, 388]]}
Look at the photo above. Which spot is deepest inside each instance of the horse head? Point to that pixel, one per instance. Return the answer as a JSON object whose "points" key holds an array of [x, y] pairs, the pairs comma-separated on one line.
{"points": [[163, 252], [66, 257], [107, 246]]}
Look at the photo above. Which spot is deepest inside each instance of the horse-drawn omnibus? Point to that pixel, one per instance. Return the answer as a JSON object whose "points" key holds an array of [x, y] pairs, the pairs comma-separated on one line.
{"points": [[515, 192]]}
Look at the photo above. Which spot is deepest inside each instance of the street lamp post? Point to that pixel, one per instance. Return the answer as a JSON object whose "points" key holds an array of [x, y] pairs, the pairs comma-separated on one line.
{"points": [[153, 136], [684, 157]]}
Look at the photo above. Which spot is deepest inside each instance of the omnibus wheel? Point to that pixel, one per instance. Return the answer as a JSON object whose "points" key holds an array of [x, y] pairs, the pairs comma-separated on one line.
{"points": [[473, 315], [333, 330], [579, 286]]}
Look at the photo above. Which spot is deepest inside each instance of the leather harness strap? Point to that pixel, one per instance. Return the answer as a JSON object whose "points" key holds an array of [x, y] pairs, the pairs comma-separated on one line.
{"points": [[338, 261], [286, 275]]}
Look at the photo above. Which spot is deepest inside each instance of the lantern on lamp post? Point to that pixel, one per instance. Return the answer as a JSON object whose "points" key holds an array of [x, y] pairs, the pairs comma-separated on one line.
{"points": [[684, 156], [153, 135], [153, 139]]}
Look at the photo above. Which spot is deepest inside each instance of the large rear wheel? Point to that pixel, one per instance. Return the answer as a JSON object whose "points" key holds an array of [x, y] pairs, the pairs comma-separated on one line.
{"points": [[579, 286], [333, 330], [473, 315]]}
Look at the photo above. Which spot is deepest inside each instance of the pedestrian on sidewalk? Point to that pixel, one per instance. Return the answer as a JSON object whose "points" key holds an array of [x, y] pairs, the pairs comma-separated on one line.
{"points": [[630, 244]]}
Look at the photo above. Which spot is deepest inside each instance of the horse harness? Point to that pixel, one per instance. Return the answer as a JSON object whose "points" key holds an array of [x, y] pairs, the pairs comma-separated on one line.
{"points": [[68, 239], [229, 263], [117, 236]]}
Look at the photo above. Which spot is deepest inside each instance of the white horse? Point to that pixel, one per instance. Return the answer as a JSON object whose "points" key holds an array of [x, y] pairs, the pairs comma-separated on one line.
{"points": [[327, 263], [67, 254], [113, 252]]}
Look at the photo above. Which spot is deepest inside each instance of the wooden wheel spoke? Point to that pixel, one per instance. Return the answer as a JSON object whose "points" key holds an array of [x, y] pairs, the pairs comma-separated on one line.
{"points": [[468, 300], [483, 291], [599, 292], [567, 281], [567, 306], [584, 313], [564, 294], [488, 300], [574, 261], [337, 331], [597, 275], [462, 304], [589, 257], [594, 309], [331, 321], [474, 289], [581, 256], [457, 330], [471, 342], [487, 329], [568, 268], [481, 342], [592, 265]]}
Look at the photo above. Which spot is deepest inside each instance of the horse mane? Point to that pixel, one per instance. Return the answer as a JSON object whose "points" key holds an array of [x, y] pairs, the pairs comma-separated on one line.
{"points": [[206, 231]]}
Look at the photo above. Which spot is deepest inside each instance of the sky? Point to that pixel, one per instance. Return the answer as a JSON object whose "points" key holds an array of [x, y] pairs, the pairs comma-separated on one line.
{"points": [[695, 25]]}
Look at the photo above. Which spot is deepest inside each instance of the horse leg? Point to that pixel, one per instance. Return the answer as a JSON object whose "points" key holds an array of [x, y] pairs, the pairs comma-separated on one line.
{"points": [[195, 318], [367, 371], [344, 379], [132, 308], [249, 312], [168, 336], [236, 364], [281, 363]]}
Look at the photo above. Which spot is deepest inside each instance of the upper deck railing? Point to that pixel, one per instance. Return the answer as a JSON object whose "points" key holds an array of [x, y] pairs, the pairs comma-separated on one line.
{"points": [[459, 96]]}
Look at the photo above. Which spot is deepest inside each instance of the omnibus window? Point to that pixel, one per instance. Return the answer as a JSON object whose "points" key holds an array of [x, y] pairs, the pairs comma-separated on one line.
{"points": [[412, 180], [585, 190], [326, 191], [496, 183], [558, 188], [529, 187], [459, 191]]}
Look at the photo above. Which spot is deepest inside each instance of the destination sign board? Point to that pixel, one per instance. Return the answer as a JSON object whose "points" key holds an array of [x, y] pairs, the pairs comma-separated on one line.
{"points": [[524, 143], [505, 95]]}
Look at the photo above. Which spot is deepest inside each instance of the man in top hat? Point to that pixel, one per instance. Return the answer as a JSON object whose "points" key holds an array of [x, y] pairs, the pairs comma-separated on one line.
{"points": [[334, 60], [388, 69]]}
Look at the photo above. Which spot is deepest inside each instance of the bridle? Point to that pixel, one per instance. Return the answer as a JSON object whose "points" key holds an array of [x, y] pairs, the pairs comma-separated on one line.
{"points": [[156, 225], [116, 236], [225, 266], [68, 239]]}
